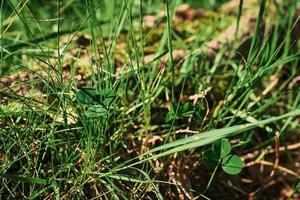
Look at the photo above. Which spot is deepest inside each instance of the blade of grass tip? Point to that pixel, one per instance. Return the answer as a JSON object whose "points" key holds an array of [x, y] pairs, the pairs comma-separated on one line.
{"points": [[109, 13], [276, 32], [120, 23], [170, 48], [165, 34], [142, 31], [133, 38], [255, 37], [291, 14], [239, 18]]}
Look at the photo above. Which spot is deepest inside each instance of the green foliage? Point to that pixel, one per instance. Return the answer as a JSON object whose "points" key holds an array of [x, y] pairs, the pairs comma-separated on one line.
{"points": [[178, 110], [89, 96], [86, 95], [222, 147], [231, 164], [96, 111], [98, 102], [102, 140], [210, 158], [107, 96]]}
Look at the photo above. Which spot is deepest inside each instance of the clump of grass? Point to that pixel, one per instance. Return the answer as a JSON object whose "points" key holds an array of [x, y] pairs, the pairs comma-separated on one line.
{"points": [[84, 114]]}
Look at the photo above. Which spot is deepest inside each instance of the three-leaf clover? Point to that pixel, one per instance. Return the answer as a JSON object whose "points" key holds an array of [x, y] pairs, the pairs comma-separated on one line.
{"points": [[98, 102], [220, 155]]}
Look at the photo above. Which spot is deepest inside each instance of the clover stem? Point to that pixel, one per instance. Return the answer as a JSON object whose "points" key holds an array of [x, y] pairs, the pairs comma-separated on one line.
{"points": [[212, 177]]}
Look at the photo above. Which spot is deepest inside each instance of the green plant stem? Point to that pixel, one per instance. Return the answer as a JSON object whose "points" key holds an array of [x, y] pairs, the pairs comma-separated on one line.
{"points": [[212, 177], [170, 48]]}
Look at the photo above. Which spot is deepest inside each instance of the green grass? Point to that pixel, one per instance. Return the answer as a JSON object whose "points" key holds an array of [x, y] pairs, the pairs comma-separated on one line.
{"points": [[93, 104]]}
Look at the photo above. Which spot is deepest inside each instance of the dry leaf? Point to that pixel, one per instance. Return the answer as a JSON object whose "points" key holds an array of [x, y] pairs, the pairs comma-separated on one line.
{"points": [[185, 12]]}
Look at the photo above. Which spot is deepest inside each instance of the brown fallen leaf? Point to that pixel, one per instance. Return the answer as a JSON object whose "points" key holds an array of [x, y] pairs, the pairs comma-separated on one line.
{"points": [[178, 55], [185, 12], [149, 20]]}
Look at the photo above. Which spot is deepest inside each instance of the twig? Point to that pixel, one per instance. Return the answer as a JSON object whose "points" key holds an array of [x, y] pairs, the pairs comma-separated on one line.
{"points": [[280, 168]]}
